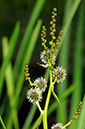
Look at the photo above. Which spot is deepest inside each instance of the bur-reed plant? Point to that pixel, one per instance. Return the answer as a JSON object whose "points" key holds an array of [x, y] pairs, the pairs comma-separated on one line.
{"points": [[11, 117], [56, 73]]}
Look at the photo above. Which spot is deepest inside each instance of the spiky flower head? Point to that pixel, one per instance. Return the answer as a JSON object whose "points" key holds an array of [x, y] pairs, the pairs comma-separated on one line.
{"points": [[57, 126], [41, 83], [61, 73], [47, 56], [34, 95]]}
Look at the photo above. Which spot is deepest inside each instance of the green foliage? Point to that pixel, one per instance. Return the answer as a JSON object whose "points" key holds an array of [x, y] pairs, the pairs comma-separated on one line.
{"points": [[12, 99]]}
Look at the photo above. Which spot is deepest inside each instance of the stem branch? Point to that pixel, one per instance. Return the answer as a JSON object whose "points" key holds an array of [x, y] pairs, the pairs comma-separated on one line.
{"points": [[68, 123], [39, 107], [49, 93], [2, 123]]}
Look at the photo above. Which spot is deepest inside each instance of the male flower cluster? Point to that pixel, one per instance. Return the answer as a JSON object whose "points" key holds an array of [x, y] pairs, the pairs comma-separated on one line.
{"points": [[48, 55]]}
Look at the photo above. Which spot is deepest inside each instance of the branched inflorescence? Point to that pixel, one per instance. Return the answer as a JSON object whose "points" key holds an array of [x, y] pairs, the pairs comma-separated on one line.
{"points": [[48, 55], [57, 74]]}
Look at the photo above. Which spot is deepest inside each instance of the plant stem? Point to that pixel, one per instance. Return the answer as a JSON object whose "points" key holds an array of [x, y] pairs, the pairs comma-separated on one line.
{"points": [[2, 123], [45, 126], [55, 81], [68, 123], [47, 103], [38, 105], [49, 93]]}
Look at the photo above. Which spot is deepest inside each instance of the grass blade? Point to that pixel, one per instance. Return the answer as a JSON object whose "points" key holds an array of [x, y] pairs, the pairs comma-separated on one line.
{"points": [[35, 14], [26, 58], [77, 77], [63, 61], [2, 123], [37, 123], [3, 105], [12, 43], [8, 72], [69, 18], [29, 117], [9, 83]]}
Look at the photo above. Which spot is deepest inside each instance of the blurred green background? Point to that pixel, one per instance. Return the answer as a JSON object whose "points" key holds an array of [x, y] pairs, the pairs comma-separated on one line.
{"points": [[71, 56], [13, 11]]}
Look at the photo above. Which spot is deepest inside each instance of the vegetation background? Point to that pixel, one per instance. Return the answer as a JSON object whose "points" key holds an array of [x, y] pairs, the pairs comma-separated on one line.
{"points": [[71, 56]]}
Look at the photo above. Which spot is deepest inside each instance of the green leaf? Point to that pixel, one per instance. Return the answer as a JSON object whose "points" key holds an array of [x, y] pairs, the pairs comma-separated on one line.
{"points": [[38, 122], [58, 101], [29, 118], [8, 72], [77, 75], [69, 18], [12, 43], [64, 61], [2, 123], [9, 83], [34, 16], [3, 105], [26, 58]]}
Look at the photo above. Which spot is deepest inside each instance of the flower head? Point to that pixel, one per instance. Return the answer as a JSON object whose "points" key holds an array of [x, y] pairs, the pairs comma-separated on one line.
{"points": [[45, 57], [61, 73], [57, 126], [41, 83], [34, 95]]}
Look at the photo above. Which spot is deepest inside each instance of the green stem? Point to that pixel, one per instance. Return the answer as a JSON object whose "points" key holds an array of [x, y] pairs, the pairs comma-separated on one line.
{"points": [[2, 123], [49, 93], [39, 107], [45, 126], [68, 123], [47, 103], [55, 81]]}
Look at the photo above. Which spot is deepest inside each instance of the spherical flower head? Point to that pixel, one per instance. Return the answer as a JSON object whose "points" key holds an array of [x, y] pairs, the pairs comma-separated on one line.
{"points": [[61, 73], [41, 83], [44, 58], [34, 95], [57, 126]]}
